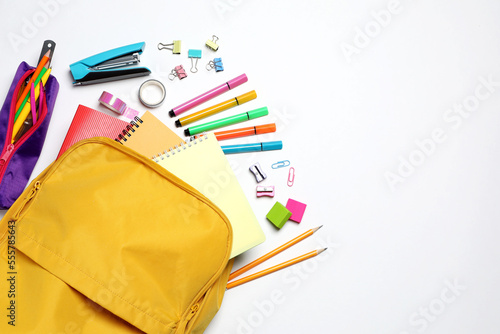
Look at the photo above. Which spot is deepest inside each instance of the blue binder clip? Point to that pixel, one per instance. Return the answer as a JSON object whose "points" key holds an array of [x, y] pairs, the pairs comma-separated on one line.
{"points": [[217, 64], [196, 54], [109, 65]]}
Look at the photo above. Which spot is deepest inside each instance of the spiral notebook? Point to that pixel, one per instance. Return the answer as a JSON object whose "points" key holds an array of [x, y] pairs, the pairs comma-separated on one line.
{"points": [[202, 164], [88, 123], [148, 135]]}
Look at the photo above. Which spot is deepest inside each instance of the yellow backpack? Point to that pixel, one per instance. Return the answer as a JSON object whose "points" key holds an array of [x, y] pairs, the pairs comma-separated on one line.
{"points": [[107, 241]]}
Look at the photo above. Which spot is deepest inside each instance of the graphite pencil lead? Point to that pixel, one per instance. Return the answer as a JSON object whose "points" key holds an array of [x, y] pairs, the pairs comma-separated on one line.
{"points": [[316, 228], [322, 250]]}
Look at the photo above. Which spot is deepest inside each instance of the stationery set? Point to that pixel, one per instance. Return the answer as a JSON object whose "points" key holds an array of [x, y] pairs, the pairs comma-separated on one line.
{"points": [[130, 219]]}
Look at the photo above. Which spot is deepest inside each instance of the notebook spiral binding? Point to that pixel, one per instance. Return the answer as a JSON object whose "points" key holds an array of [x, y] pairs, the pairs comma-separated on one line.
{"points": [[129, 130], [191, 141]]}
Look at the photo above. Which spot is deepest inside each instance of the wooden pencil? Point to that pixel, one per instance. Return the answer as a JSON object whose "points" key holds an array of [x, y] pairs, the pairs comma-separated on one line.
{"points": [[35, 75], [274, 268], [272, 253]]}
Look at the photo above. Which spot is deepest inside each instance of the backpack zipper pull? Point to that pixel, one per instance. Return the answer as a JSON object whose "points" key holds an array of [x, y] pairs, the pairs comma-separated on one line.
{"points": [[28, 198], [181, 329], [6, 154]]}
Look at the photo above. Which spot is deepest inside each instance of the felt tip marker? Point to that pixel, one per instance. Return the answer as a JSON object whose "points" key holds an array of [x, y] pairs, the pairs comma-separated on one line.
{"points": [[226, 121], [256, 147], [235, 101], [243, 132], [241, 79]]}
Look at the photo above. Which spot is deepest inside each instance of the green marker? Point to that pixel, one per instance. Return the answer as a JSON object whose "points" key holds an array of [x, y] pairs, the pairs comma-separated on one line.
{"points": [[226, 121]]}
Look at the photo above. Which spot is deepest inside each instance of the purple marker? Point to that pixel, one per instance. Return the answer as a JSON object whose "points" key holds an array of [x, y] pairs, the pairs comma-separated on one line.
{"points": [[208, 95]]}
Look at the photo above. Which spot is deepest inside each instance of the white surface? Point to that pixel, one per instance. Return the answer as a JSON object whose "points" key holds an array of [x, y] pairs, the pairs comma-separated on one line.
{"points": [[345, 122]]}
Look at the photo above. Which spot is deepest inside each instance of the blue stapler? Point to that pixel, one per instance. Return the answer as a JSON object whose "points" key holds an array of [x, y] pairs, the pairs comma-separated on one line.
{"points": [[109, 65]]}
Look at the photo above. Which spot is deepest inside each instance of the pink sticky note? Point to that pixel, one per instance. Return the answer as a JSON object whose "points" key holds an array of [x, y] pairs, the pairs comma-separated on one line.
{"points": [[297, 209]]}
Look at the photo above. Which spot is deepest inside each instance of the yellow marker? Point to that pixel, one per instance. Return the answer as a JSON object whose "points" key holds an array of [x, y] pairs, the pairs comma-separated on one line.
{"points": [[216, 109], [27, 107]]}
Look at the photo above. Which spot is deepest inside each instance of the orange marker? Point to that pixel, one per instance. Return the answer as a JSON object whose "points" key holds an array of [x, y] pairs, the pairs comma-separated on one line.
{"points": [[35, 75], [243, 132], [216, 109]]}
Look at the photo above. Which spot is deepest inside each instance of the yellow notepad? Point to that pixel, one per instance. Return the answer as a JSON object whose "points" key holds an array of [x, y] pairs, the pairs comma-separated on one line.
{"points": [[149, 136], [202, 164]]}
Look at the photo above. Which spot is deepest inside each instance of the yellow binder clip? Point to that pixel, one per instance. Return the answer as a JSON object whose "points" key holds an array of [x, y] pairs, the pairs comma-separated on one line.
{"points": [[211, 43], [175, 47]]}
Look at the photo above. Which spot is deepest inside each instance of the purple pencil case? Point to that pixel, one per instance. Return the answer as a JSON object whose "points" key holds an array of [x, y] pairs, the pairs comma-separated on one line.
{"points": [[18, 159]]}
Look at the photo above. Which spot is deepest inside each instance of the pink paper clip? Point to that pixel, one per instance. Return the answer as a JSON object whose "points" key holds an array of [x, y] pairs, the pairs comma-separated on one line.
{"points": [[265, 191], [291, 177]]}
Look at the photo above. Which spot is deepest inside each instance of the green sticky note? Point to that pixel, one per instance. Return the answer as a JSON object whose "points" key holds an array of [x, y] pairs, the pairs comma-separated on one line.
{"points": [[278, 215]]}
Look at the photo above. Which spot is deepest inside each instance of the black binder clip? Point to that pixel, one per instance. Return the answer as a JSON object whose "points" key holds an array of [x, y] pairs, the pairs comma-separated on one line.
{"points": [[109, 66]]}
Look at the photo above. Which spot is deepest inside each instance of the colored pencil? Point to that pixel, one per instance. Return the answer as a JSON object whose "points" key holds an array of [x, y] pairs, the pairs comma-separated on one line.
{"points": [[35, 75], [27, 97], [27, 107]]}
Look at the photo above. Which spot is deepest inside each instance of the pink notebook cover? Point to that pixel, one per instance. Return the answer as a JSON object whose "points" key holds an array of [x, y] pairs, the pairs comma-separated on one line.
{"points": [[88, 123]]}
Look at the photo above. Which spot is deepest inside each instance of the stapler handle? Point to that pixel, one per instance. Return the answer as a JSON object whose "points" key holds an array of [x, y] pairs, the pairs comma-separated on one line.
{"points": [[114, 53], [94, 77]]}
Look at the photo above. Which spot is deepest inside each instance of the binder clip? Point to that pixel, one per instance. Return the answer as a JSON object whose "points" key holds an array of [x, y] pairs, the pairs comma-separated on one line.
{"points": [[258, 172], [194, 54], [211, 43], [265, 191], [109, 65], [177, 72], [175, 47], [217, 64]]}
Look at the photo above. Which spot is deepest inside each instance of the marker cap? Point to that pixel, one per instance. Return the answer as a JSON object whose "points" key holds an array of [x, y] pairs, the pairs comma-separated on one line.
{"points": [[265, 128], [241, 79], [272, 145], [246, 97], [257, 113]]}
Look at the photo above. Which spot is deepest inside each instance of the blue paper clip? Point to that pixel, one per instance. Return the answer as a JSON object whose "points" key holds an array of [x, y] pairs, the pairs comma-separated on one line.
{"points": [[280, 164]]}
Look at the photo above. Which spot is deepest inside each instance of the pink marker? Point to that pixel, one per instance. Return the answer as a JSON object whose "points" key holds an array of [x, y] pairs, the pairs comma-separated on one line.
{"points": [[208, 95]]}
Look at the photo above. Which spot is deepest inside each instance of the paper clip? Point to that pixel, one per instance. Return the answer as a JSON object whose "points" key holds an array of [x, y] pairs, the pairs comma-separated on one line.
{"points": [[265, 191], [194, 54], [258, 172], [291, 177], [211, 43], [175, 47], [280, 164], [217, 64], [177, 72]]}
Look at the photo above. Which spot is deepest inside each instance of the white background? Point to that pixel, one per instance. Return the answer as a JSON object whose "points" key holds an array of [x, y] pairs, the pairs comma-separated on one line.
{"points": [[358, 90]]}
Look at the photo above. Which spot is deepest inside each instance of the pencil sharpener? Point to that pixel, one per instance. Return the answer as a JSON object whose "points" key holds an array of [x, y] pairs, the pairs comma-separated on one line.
{"points": [[258, 172], [265, 191]]}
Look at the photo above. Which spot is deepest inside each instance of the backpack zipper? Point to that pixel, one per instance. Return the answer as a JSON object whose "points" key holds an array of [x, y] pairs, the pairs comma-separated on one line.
{"points": [[27, 199], [9, 149]]}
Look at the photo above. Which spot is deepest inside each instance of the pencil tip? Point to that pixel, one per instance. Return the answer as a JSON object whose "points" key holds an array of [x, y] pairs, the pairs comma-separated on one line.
{"points": [[317, 228], [322, 250]]}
